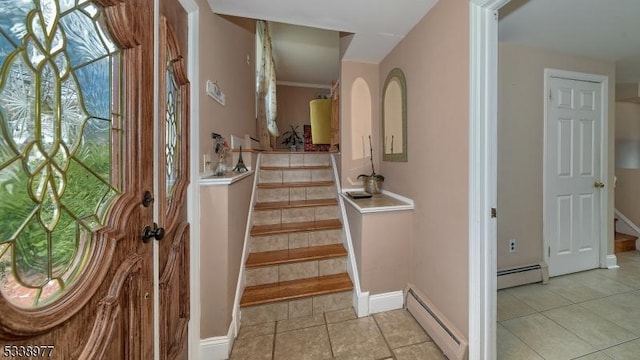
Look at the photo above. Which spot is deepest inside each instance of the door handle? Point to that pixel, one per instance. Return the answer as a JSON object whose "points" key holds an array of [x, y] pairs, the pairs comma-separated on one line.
{"points": [[599, 184], [152, 232]]}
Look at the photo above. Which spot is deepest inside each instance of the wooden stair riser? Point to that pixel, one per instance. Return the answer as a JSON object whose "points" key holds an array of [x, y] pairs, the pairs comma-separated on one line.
{"points": [[270, 217], [296, 194], [294, 159], [294, 175], [282, 310], [299, 270], [295, 240]]}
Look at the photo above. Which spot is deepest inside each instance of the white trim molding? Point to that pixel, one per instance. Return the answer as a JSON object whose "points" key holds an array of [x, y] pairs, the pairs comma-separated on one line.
{"points": [[386, 302], [627, 221], [215, 348], [483, 115], [611, 262]]}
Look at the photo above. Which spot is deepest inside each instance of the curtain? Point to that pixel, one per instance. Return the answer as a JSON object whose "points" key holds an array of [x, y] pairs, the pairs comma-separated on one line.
{"points": [[266, 74]]}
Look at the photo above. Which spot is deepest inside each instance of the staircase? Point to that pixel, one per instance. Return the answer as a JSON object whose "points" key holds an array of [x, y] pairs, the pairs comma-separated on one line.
{"points": [[297, 265], [624, 242]]}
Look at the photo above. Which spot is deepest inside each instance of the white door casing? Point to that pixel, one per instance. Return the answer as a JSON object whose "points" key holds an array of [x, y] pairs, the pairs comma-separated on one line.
{"points": [[575, 160]]}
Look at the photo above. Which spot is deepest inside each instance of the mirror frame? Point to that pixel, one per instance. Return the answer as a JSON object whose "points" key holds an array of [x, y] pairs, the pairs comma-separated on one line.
{"points": [[396, 73]]}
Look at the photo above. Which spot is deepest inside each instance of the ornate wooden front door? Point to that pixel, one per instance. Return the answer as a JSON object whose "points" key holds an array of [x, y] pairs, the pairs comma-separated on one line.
{"points": [[76, 114], [173, 181]]}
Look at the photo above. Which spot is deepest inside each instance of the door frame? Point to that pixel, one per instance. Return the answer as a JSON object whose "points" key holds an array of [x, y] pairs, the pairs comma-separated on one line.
{"points": [[604, 157]]}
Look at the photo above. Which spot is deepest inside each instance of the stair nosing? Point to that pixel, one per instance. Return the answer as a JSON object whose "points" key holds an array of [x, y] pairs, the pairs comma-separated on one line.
{"points": [[296, 255], [307, 226], [294, 184], [281, 286], [296, 167], [275, 205]]}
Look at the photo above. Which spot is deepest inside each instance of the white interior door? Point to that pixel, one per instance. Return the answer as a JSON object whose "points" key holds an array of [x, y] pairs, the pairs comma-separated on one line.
{"points": [[573, 184]]}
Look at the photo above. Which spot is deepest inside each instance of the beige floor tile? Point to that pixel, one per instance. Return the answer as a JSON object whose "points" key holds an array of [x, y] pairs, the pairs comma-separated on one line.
{"points": [[626, 351], [358, 338], [510, 307], [509, 347], [300, 323], [627, 274], [253, 348], [600, 355], [423, 351], [603, 284], [538, 296], [257, 330], [340, 315], [400, 328], [595, 330], [547, 338], [304, 344], [621, 309], [573, 290]]}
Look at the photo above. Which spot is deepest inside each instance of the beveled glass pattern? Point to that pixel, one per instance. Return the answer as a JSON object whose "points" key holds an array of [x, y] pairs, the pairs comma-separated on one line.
{"points": [[172, 131], [59, 141]]}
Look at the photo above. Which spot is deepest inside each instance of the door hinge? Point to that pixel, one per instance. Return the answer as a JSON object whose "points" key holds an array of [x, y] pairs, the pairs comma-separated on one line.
{"points": [[550, 97], [548, 251], [494, 213]]}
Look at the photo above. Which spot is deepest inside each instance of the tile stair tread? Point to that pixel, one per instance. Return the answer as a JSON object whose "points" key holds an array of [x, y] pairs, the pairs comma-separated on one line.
{"points": [[301, 167], [295, 289], [294, 204], [295, 255], [285, 228], [294, 184]]}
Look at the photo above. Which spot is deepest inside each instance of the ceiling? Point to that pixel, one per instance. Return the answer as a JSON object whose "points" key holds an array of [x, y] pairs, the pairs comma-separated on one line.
{"points": [[600, 29], [305, 55], [306, 34], [607, 30]]}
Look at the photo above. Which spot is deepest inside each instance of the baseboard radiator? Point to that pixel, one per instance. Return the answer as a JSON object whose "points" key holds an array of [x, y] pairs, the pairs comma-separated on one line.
{"points": [[522, 275], [452, 343]]}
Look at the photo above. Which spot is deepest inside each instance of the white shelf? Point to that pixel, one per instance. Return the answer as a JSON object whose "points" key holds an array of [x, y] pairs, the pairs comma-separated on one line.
{"points": [[208, 179]]}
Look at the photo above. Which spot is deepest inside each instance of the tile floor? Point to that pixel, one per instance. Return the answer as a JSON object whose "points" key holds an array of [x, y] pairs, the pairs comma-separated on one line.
{"points": [[592, 315], [337, 335]]}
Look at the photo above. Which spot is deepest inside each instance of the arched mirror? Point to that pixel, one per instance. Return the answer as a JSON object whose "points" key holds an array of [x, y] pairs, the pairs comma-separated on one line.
{"points": [[394, 117]]}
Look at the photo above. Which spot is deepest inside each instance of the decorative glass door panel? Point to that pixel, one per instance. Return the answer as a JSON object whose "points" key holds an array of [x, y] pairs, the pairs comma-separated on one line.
{"points": [[174, 169], [60, 114], [74, 96]]}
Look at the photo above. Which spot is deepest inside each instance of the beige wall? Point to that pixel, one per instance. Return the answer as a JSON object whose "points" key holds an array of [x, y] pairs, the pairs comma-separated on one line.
{"points": [[520, 145], [223, 49], [223, 219], [627, 198], [350, 71], [434, 57], [293, 108], [382, 243]]}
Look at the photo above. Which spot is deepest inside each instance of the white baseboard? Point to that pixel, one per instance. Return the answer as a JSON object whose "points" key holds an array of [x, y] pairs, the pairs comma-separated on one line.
{"points": [[631, 228], [612, 262], [215, 348], [219, 347], [361, 303], [386, 302]]}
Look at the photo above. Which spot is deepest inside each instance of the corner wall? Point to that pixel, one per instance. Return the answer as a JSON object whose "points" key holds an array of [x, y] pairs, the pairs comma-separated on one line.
{"points": [[627, 199], [225, 43], [223, 47], [293, 108], [434, 57], [520, 145]]}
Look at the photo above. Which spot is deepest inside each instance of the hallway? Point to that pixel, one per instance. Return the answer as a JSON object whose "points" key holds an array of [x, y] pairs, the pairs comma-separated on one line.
{"points": [[592, 315], [337, 335]]}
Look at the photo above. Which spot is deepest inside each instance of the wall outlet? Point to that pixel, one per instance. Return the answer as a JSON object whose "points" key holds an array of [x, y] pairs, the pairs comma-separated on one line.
{"points": [[512, 245]]}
